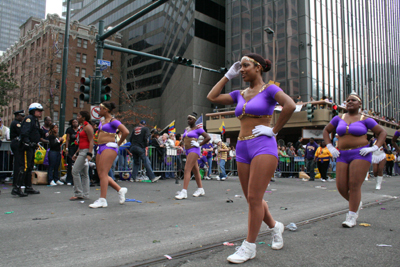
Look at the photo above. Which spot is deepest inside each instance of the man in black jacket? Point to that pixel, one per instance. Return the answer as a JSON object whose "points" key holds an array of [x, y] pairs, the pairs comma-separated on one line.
{"points": [[15, 132], [139, 141]]}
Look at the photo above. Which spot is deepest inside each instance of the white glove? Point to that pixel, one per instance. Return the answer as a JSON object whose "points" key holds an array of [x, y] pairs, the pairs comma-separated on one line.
{"points": [[195, 143], [335, 153], [366, 150], [263, 130], [233, 71]]}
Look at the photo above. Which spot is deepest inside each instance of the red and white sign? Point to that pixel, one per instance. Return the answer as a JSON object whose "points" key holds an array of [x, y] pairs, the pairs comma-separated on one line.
{"points": [[95, 112]]}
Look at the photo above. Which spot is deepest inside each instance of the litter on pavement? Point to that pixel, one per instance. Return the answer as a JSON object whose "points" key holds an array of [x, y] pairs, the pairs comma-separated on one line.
{"points": [[365, 224], [291, 227], [238, 196], [282, 208], [383, 245], [9, 212], [228, 244], [229, 201], [168, 257], [261, 243]]}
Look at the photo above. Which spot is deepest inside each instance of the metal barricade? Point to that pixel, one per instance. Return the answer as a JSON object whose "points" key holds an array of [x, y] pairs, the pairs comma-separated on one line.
{"points": [[230, 167], [6, 159], [163, 161]]}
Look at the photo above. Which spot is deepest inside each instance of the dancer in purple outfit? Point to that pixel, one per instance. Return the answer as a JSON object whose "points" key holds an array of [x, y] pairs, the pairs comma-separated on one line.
{"points": [[256, 149], [353, 154], [192, 147], [107, 151]]}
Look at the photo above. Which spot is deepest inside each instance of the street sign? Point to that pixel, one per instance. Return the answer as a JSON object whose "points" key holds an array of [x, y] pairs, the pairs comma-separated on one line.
{"points": [[94, 112], [103, 67], [104, 62]]}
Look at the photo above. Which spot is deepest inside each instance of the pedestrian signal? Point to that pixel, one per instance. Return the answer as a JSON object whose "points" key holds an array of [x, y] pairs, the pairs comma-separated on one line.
{"points": [[310, 112], [335, 110]]}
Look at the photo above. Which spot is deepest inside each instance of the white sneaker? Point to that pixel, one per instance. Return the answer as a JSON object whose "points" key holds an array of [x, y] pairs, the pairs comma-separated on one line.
{"points": [[305, 180], [63, 178], [199, 192], [359, 208], [69, 184], [217, 178], [223, 178], [277, 239], [378, 182], [59, 183], [100, 203], [8, 179], [323, 180], [156, 179], [52, 183], [351, 220], [245, 252], [121, 194], [207, 178], [182, 194], [330, 180]]}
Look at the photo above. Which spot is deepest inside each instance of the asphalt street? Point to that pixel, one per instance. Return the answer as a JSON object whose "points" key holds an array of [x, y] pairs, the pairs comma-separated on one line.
{"points": [[50, 230]]}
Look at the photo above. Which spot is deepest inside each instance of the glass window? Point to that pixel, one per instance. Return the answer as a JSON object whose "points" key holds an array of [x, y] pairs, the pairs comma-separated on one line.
{"points": [[75, 102], [293, 88], [56, 100], [83, 72], [74, 115], [256, 18], [76, 87], [84, 58], [245, 5], [246, 40], [235, 26], [60, 38], [77, 72], [293, 48], [236, 7], [257, 37], [58, 68], [291, 26], [81, 104], [236, 43], [293, 69], [55, 116], [280, 30], [280, 50], [268, 16], [246, 21], [78, 57], [79, 42], [291, 8], [85, 43], [280, 10], [280, 72]]}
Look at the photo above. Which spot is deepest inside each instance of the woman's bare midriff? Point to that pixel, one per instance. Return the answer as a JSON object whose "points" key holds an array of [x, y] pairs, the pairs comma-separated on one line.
{"points": [[247, 124], [105, 138], [349, 141]]}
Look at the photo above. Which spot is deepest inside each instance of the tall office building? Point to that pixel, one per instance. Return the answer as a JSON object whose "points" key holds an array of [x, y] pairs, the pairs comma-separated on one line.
{"points": [[76, 6], [322, 47], [193, 29], [13, 14]]}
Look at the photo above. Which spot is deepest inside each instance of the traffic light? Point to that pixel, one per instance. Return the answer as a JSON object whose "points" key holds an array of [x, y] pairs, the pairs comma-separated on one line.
{"points": [[85, 89], [335, 110], [223, 70], [105, 89], [310, 112], [182, 60]]}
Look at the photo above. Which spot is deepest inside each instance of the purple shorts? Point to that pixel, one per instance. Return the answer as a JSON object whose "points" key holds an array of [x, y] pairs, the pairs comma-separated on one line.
{"points": [[193, 150], [348, 156], [102, 147], [246, 150]]}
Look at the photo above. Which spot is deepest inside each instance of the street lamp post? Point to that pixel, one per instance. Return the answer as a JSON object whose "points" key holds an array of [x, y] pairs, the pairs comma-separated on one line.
{"points": [[271, 31]]}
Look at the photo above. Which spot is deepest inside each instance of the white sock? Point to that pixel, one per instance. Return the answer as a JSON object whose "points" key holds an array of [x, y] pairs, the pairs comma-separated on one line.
{"points": [[352, 213], [184, 191]]}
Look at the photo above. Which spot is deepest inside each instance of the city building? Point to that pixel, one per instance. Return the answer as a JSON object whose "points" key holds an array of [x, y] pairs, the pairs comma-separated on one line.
{"points": [[322, 47], [36, 62], [192, 29], [75, 7], [13, 14]]}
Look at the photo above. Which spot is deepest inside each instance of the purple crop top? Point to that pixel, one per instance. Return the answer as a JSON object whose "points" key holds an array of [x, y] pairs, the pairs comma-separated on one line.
{"points": [[397, 133], [110, 127], [357, 128], [260, 105], [193, 133]]}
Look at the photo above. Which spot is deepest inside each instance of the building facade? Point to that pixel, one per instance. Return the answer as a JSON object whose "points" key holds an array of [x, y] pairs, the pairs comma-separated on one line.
{"points": [[322, 47], [13, 14], [36, 62], [192, 29]]}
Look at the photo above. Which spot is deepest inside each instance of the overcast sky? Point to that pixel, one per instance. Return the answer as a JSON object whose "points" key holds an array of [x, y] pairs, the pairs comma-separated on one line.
{"points": [[54, 6]]}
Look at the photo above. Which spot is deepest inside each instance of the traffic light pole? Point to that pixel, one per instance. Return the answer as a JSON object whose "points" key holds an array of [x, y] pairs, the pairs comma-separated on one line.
{"points": [[64, 71], [97, 80], [139, 53]]}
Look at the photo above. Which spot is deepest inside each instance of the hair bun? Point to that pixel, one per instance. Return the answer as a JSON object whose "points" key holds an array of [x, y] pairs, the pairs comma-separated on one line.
{"points": [[268, 65]]}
